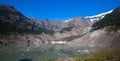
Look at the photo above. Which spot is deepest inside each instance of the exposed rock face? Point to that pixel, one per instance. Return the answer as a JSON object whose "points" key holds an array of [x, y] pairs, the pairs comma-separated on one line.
{"points": [[106, 32], [50, 25], [13, 21], [99, 38], [76, 22], [80, 21]]}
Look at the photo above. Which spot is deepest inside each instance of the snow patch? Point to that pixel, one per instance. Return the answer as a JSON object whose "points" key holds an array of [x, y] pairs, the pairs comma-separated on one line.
{"points": [[68, 20], [99, 15], [58, 42]]}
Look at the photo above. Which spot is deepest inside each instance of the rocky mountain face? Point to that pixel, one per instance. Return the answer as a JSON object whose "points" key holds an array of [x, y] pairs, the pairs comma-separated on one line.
{"points": [[16, 29], [80, 21], [98, 38], [105, 33], [50, 25], [111, 21], [60, 26], [12, 21], [13, 24]]}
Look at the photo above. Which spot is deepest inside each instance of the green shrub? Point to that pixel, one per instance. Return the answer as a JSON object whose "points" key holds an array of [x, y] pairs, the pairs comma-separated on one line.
{"points": [[66, 29]]}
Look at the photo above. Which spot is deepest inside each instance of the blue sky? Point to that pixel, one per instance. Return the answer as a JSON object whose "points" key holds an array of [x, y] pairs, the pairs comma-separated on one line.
{"points": [[61, 9]]}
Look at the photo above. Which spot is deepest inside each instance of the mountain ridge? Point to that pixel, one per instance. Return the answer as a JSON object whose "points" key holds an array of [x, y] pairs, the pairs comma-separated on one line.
{"points": [[12, 23], [23, 24]]}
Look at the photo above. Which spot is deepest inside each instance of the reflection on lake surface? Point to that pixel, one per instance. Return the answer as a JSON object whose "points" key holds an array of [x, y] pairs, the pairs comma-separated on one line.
{"points": [[43, 53], [26, 59]]}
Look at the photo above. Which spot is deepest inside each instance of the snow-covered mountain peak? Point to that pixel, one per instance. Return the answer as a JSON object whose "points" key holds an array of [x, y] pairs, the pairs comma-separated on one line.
{"points": [[97, 17], [99, 14]]}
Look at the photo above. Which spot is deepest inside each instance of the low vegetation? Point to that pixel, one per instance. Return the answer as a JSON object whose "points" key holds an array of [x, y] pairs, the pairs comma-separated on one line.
{"points": [[111, 54], [13, 30], [66, 29]]}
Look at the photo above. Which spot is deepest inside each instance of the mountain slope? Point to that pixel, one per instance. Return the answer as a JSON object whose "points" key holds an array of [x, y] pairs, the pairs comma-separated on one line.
{"points": [[10, 18], [13, 22], [60, 26], [112, 20], [106, 32]]}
